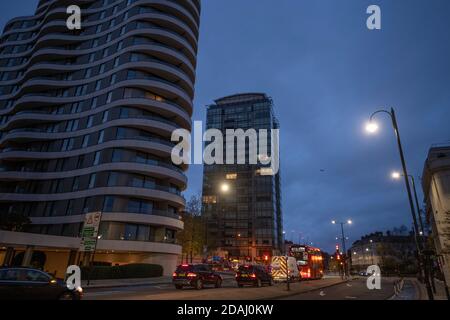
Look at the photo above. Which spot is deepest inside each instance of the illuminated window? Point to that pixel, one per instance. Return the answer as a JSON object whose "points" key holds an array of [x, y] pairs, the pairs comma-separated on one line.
{"points": [[265, 172], [231, 176], [209, 199]]}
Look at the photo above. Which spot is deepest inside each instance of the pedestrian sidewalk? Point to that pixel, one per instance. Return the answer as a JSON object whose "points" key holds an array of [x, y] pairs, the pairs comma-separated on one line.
{"points": [[112, 283], [413, 289], [440, 293]]}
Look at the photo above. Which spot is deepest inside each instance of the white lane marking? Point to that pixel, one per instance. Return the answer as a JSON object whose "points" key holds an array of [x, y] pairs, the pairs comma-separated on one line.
{"points": [[322, 293], [349, 285]]}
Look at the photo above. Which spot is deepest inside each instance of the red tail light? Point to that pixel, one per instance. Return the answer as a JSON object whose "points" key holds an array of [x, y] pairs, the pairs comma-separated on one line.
{"points": [[174, 274], [253, 275], [191, 275]]}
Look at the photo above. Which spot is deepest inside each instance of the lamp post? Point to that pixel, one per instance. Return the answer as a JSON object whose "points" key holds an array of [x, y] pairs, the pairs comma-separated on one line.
{"points": [[371, 249], [372, 127], [397, 176], [343, 242]]}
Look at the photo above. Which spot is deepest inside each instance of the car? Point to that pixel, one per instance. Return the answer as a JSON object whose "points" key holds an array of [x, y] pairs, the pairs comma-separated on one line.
{"points": [[196, 276], [255, 275], [20, 283]]}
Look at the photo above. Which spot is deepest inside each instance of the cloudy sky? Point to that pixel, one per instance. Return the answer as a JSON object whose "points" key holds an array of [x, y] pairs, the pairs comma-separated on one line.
{"points": [[326, 73]]}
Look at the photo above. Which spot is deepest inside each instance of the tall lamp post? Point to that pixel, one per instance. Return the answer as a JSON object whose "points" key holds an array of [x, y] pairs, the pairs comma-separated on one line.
{"points": [[343, 242], [397, 175], [372, 127]]}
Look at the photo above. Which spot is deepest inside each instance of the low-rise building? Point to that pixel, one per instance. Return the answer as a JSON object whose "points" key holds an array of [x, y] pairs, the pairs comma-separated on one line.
{"points": [[392, 252]]}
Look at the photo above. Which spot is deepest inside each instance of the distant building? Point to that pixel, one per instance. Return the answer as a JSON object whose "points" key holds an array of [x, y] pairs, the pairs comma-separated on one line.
{"points": [[392, 252], [436, 187], [245, 220]]}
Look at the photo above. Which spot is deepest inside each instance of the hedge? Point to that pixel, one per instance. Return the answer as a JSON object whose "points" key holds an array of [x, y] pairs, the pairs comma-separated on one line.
{"points": [[137, 270]]}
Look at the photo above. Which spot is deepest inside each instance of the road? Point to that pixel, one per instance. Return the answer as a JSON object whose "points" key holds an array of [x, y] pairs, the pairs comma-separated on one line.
{"points": [[326, 289], [353, 290]]}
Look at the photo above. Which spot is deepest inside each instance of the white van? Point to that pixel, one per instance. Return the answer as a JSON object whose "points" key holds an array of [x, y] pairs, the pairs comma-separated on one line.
{"points": [[278, 267]]}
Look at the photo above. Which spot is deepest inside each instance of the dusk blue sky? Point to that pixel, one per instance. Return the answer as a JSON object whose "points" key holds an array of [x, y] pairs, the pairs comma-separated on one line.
{"points": [[326, 73]]}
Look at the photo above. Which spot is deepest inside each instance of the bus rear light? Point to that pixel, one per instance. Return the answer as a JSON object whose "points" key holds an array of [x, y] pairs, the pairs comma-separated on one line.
{"points": [[174, 274], [191, 275]]}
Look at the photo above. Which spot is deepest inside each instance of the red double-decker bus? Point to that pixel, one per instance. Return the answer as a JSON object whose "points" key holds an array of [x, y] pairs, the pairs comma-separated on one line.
{"points": [[309, 261]]}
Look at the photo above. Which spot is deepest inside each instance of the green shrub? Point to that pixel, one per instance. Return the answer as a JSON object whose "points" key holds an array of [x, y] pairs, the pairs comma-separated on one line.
{"points": [[137, 270]]}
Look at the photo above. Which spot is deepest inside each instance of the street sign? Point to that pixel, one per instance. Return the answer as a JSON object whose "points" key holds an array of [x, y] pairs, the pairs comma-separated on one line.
{"points": [[89, 232]]}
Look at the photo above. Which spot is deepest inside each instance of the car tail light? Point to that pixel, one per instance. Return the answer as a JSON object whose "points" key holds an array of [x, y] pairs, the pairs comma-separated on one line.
{"points": [[191, 275], [253, 275], [174, 274]]}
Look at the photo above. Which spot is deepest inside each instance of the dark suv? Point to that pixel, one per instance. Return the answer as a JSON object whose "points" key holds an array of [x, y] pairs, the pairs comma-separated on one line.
{"points": [[254, 275], [195, 275], [33, 284]]}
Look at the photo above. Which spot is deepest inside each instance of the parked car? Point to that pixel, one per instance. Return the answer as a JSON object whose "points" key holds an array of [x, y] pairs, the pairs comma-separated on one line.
{"points": [[34, 284], [196, 276], [254, 275]]}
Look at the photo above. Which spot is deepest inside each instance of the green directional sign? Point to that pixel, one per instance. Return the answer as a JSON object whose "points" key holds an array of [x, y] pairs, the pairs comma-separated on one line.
{"points": [[89, 233]]}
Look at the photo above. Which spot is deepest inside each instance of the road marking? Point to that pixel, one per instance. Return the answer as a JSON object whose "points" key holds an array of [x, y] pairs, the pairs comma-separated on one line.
{"points": [[349, 297], [322, 293], [349, 285]]}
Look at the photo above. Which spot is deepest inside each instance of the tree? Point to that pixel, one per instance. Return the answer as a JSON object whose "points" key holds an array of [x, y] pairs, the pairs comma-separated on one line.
{"points": [[13, 221], [192, 238]]}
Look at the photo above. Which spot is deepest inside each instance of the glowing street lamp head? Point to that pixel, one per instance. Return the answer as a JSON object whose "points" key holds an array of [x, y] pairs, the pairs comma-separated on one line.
{"points": [[371, 127], [225, 187], [396, 175], [333, 222], [349, 221]]}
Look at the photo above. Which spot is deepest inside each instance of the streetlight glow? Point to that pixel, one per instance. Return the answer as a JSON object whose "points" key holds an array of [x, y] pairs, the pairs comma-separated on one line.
{"points": [[333, 222], [225, 187], [396, 175], [349, 221], [371, 127]]}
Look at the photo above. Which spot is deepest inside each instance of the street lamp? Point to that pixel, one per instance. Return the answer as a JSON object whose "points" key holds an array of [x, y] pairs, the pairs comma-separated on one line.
{"points": [[396, 175], [343, 240], [225, 187], [372, 127]]}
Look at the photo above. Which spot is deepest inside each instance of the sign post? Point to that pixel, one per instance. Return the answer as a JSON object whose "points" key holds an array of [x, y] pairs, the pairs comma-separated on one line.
{"points": [[89, 236]]}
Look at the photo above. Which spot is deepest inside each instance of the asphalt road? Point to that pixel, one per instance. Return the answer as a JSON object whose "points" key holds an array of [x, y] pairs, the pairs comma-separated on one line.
{"points": [[353, 290]]}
